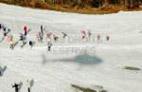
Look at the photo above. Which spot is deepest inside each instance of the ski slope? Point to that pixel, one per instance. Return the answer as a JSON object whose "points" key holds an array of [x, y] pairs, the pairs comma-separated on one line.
{"points": [[73, 61]]}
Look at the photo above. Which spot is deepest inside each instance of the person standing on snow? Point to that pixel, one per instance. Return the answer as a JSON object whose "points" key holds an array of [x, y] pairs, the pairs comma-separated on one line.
{"points": [[83, 34], [40, 34], [1, 71], [107, 38], [0, 26], [49, 44], [98, 37], [42, 29], [4, 28], [31, 43], [10, 40], [23, 36], [5, 33], [25, 30], [55, 37], [30, 84], [23, 39], [89, 34], [64, 35], [48, 35], [16, 86]]}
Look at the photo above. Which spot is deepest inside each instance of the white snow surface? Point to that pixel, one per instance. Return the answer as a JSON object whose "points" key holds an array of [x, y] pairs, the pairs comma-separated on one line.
{"points": [[72, 61]]}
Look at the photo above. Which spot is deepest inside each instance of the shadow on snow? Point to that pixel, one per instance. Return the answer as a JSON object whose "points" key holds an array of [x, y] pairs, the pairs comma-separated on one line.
{"points": [[83, 59]]}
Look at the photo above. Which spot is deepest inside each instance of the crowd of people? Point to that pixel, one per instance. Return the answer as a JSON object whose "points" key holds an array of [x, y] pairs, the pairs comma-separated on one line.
{"points": [[41, 35]]}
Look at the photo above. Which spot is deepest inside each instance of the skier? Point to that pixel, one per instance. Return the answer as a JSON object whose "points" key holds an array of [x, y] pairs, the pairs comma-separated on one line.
{"points": [[64, 35], [0, 26], [31, 43], [42, 29], [89, 34], [10, 40], [1, 72], [49, 44], [107, 38], [98, 37], [39, 36], [48, 35], [5, 33], [4, 28], [25, 30], [83, 34], [30, 84], [23, 39], [55, 37], [16, 86]]}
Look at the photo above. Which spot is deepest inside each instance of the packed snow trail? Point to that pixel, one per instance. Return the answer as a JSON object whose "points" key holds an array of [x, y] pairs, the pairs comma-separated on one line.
{"points": [[73, 61]]}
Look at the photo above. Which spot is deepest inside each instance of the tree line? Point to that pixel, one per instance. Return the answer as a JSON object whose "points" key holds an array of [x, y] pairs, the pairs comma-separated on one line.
{"points": [[91, 6], [98, 3], [83, 3]]}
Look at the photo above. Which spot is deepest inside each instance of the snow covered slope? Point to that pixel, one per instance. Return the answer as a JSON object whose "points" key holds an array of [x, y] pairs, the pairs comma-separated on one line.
{"points": [[84, 63]]}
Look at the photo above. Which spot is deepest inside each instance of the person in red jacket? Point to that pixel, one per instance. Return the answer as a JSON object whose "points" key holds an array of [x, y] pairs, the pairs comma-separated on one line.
{"points": [[25, 30]]}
